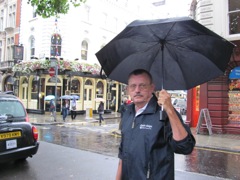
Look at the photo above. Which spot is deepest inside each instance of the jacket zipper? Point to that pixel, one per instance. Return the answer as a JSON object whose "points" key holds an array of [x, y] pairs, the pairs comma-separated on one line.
{"points": [[133, 123], [148, 171]]}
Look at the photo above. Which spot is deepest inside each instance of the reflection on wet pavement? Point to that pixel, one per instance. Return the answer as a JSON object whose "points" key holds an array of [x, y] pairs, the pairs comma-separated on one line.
{"points": [[210, 162], [99, 139], [95, 138]]}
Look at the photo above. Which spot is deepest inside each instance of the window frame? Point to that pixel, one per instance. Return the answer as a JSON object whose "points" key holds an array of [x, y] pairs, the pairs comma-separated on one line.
{"points": [[231, 12]]}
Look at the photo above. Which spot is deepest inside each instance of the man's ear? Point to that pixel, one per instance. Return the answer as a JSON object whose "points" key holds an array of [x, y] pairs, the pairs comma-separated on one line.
{"points": [[153, 87]]}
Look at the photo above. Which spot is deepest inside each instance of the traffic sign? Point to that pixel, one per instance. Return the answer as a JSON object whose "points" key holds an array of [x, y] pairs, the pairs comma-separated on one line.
{"points": [[51, 71]]}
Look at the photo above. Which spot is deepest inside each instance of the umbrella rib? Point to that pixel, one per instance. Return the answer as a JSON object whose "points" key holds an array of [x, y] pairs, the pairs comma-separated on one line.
{"points": [[163, 43]]}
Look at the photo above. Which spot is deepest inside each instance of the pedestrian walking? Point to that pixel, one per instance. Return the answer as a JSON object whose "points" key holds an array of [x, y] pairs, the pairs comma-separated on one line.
{"points": [[100, 112], [73, 108], [52, 109], [148, 143], [65, 109], [123, 107], [52, 106]]}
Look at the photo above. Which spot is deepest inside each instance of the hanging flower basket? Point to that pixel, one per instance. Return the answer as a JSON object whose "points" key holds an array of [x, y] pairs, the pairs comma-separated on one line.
{"points": [[31, 66]]}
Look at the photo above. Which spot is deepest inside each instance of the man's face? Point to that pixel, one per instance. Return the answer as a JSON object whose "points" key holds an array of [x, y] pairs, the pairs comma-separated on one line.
{"points": [[140, 89]]}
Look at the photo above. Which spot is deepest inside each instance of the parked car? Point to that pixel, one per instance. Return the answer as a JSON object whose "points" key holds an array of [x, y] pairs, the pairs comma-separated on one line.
{"points": [[18, 137], [180, 105]]}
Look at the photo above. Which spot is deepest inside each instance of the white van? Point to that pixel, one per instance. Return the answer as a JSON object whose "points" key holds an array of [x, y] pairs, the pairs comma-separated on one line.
{"points": [[180, 105]]}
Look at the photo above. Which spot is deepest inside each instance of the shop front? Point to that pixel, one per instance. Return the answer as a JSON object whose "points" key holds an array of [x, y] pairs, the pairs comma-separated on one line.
{"points": [[221, 96], [33, 84]]}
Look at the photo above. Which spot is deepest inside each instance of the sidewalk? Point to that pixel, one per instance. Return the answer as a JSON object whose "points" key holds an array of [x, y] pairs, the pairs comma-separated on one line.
{"points": [[222, 142]]}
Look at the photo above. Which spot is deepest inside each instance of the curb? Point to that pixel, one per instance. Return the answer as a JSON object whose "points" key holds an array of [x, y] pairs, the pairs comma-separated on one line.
{"points": [[82, 122], [217, 148]]}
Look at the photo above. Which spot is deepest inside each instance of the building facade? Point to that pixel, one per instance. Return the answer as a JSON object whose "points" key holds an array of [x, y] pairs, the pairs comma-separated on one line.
{"points": [[73, 39], [9, 41]]}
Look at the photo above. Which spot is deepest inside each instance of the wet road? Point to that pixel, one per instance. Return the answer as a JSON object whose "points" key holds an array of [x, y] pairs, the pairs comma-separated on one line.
{"points": [[59, 162], [100, 139]]}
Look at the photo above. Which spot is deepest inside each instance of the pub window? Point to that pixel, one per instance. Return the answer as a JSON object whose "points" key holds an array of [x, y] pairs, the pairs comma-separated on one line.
{"points": [[88, 82], [234, 16], [99, 90], [84, 50], [75, 86], [34, 90]]}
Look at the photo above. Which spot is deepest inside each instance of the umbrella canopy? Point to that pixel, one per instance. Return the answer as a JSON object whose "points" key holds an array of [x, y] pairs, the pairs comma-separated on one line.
{"points": [[70, 97], [65, 97], [49, 97], [76, 97], [180, 53]]}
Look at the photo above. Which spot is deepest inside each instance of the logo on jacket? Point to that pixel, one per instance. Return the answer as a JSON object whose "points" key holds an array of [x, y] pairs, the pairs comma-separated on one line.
{"points": [[145, 126]]}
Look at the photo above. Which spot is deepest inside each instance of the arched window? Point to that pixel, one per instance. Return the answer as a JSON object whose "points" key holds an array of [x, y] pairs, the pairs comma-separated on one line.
{"points": [[34, 90], [56, 44], [100, 89], [75, 86], [32, 47], [84, 50], [88, 82]]}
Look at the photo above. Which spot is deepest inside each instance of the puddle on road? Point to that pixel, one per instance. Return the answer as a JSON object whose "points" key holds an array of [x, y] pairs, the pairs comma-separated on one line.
{"points": [[100, 139]]}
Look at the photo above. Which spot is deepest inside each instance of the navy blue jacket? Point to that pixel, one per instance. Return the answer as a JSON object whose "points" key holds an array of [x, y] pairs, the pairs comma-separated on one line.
{"points": [[147, 147]]}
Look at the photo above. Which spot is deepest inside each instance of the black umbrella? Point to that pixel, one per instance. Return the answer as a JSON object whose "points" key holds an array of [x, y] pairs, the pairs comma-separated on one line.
{"points": [[180, 53]]}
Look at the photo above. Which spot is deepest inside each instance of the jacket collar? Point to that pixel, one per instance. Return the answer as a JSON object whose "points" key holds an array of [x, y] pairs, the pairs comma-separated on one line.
{"points": [[151, 108]]}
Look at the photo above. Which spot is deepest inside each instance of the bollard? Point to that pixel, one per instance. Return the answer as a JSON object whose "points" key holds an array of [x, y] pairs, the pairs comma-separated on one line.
{"points": [[90, 112]]}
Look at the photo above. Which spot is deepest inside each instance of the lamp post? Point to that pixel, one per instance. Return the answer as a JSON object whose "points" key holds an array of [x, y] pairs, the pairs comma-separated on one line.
{"points": [[109, 95], [54, 64]]}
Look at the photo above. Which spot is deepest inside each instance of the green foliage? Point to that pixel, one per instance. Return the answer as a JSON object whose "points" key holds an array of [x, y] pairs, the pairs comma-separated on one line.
{"points": [[48, 8]]}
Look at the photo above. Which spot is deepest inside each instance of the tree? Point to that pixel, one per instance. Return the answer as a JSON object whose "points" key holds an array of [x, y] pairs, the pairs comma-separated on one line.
{"points": [[48, 8]]}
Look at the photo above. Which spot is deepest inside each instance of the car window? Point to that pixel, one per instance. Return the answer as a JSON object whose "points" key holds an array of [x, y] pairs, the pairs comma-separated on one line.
{"points": [[14, 108]]}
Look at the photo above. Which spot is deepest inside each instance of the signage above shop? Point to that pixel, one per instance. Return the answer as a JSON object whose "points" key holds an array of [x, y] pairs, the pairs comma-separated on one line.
{"points": [[235, 73]]}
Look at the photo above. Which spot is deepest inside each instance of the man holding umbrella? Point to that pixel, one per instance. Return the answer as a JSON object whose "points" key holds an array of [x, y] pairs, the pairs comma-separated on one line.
{"points": [[173, 57], [148, 143]]}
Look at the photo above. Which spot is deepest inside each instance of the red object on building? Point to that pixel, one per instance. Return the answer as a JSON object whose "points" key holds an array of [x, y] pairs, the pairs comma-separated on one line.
{"points": [[220, 98], [51, 71]]}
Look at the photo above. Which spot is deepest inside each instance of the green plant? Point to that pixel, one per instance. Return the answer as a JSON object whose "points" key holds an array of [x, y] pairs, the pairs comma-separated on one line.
{"points": [[48, 8]]}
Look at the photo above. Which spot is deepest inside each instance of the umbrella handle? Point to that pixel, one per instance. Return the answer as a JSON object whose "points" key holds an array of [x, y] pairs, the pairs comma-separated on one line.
{"points": [[162, 115]]}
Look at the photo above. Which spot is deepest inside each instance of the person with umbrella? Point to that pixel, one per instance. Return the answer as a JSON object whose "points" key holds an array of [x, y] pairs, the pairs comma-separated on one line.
{"points": [[148, 143], [52, 107], [73, 108], [65, 109]]}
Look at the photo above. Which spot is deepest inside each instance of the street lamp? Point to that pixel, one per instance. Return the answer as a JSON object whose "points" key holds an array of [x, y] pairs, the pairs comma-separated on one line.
{"points": [[54, 64], [109, 95]]}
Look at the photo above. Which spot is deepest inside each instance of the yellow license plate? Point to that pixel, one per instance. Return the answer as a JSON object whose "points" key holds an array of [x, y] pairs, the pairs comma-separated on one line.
{"points": [[10, 135]]}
